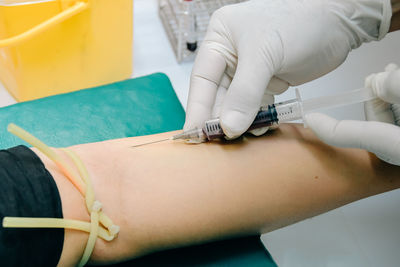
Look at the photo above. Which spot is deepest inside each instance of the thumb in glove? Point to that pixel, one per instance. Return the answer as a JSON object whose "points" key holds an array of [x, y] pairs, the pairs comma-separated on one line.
{"points": [[381, 133], [382, 139]]}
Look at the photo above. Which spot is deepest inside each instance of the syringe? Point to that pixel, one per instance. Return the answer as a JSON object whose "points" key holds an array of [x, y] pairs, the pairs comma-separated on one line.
{"points": [[278, 113]]}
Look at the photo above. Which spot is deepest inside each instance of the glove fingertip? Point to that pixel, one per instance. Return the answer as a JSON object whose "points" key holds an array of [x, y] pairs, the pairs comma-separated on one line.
{"points": [[314, 119], [391, 67], [186, 127], [190, 124], [260, 131], [322, 125], [234, 123]]}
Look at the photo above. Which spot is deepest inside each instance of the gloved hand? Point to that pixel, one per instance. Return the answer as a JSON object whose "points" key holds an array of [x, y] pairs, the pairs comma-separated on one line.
{"points": [[274, 43], [381, 133]]}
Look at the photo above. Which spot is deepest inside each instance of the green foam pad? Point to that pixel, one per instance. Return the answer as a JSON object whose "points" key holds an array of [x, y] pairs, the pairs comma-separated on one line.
{"points": [[141, 106]]}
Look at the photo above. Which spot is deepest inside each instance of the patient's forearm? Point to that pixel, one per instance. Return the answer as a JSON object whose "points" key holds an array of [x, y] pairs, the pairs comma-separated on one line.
{"points": [[171, 194]]}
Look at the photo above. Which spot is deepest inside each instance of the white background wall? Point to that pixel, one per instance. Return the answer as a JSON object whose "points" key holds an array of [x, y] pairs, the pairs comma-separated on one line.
{"points": [[365, 233]]}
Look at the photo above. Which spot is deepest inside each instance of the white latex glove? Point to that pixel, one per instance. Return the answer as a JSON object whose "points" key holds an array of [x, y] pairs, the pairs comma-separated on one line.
{"points": [[274, 43], [381, 133]]}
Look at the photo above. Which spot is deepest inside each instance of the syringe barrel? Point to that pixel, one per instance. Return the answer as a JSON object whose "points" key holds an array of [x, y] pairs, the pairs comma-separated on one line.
{"points": [[277, 113], [289, 111], [268, 116]]}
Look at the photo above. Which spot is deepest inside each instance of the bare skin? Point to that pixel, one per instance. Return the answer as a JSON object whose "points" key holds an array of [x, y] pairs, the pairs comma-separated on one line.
{"points": [[173, 194]]}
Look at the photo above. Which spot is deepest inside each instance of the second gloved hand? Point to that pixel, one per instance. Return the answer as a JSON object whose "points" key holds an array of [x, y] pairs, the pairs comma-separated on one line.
{"points": [[381, 133], [274, 43]]}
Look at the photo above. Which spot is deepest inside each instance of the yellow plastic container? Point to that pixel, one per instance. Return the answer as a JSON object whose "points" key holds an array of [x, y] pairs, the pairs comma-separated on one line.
{"points": [[50, 47]]}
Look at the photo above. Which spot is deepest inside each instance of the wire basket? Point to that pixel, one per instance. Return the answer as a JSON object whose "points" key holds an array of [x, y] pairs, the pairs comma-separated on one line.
{"points": [[186, 23]]}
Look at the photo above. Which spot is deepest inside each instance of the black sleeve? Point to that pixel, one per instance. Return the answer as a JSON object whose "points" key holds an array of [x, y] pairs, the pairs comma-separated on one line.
{"points": [[27, 189]]}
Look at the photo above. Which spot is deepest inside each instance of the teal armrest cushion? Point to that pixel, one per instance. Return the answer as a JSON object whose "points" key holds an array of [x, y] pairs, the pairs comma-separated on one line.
{"points": [[141, 106]]}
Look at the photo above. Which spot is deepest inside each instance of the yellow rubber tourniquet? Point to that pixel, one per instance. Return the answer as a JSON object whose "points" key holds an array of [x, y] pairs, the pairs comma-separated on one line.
{"points": [[85, 187]]}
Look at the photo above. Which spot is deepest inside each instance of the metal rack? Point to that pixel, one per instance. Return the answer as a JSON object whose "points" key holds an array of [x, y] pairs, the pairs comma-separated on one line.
{"points": [[178, 22]]}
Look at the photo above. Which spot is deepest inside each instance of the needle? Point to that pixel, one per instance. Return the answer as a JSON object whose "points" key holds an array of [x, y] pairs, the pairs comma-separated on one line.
{"points": [[153, 142]]}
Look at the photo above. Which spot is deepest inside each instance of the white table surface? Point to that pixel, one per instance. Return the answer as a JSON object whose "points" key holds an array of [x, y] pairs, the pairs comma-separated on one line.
{"points": [[364, 233]]}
